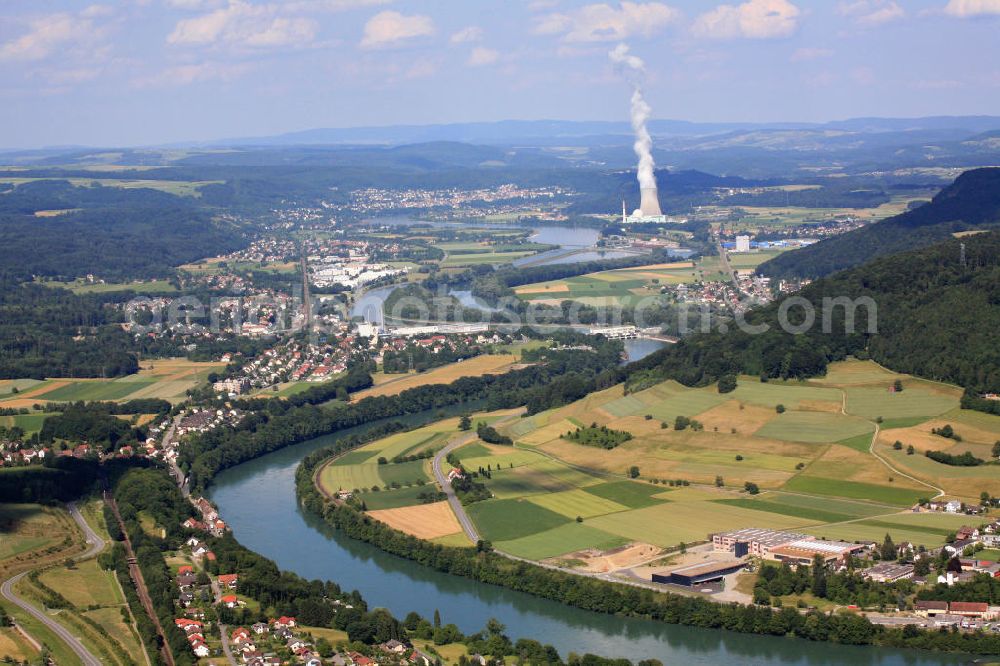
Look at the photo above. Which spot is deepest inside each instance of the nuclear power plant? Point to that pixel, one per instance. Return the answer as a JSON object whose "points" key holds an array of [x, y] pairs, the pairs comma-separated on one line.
{"points": [[649, 202], [648, 211]]}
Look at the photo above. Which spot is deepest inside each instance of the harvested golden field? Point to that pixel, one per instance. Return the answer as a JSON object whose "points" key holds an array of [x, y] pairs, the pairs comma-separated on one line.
{"points": [[729, 415], [425, 521], [473, 367]]}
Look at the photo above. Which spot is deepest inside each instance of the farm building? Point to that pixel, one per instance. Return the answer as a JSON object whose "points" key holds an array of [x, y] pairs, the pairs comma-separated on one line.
{"points": [[699, 574]]}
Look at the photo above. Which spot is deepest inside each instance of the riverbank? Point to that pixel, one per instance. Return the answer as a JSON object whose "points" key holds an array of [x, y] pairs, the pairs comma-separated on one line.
{"points": [[616, 599]]}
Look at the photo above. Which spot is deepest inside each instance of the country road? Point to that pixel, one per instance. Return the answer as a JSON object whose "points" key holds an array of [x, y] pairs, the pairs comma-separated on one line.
{"points": [[442, 479], [74, 643]]}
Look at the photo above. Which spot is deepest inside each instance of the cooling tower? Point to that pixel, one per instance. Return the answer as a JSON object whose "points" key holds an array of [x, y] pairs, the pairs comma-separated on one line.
{"points": [[649, 204]]}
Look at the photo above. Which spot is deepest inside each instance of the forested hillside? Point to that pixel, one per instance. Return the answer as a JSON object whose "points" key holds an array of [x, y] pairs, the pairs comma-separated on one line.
{"points": [[971, 202], [114, 233], [937, 317], [53, 333]]}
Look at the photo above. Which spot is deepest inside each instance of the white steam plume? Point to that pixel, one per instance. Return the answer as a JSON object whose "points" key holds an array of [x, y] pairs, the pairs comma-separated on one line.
{"points": [[633, 68]]}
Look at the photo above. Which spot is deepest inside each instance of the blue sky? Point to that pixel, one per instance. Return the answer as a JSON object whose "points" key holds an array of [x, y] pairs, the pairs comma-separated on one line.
{"points": [[134, 72]]}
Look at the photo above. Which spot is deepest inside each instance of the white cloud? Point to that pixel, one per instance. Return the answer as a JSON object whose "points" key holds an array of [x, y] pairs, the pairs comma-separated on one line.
{"points": [[482, 56], [967, 8], [195, 5], [471, 33], [183, 75], [871, 12], [55, 32], [604, 23], [390, 28], [243, 24], [803, 54], [755, 19]]}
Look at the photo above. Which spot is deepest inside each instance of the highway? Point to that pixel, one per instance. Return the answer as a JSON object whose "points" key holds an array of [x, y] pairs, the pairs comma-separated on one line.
{"points": [[96, 544]]}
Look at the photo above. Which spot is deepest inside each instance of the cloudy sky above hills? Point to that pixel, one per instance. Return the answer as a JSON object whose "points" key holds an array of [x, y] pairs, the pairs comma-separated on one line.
{"points": [[126, 72]]}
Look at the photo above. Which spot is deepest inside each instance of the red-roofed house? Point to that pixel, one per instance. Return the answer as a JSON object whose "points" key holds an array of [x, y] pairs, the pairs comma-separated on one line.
{"points": [[240, 635], [284, 622], [229, 580], [230, 601]]}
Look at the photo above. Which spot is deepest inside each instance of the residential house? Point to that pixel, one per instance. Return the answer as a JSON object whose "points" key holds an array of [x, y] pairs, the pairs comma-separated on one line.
{"points": [[229, 580], [230, 601], [259, 628], [240, 635]]}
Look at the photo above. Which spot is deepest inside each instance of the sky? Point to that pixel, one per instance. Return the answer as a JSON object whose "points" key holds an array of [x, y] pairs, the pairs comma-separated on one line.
{"points": [[151, 72]]}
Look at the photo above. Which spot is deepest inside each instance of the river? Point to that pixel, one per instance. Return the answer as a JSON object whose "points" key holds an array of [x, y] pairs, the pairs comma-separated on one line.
{"points": [[257, 500]]}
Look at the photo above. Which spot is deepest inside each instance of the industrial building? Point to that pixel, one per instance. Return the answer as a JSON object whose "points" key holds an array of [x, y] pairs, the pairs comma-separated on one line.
{"points": [[788, 547], [742, 244], [699, 574]]}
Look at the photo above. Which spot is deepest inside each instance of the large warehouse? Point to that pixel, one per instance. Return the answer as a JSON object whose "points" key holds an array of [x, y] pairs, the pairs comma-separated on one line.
{"points": [[699, 574]]}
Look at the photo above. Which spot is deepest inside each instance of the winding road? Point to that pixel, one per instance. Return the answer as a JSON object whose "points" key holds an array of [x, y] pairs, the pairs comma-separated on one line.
{"points": [[442, 479], [96, 545]]}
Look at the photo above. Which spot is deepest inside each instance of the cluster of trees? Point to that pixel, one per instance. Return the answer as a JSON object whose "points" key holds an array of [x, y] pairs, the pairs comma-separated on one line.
{"points": [[271, 424], [605, 597], [54, 333], [489, 434], [151, 492], [947, 432], [57, 478], [950, 299], [843, 587], [94, 423], [971, 202], [600, 436], [962, 460], [414, 357]]}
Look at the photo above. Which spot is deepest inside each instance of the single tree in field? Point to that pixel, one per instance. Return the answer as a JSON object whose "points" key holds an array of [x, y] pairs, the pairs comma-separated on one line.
{"points": [[718, 482], [465, 423], [897, 386]]}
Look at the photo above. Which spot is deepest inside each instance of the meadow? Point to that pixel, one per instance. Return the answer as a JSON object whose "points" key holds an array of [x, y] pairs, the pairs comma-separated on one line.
{"points": [[623, 286], [360, 469], [42, 538], [169, 379], [806, 446], [394, 384]]}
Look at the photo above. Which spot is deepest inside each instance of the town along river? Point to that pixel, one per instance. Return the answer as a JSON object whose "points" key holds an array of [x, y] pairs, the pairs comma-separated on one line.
{"points": [[257, 500]]}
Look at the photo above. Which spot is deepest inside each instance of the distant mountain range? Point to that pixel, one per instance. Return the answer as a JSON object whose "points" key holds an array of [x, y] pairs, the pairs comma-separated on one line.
{"points": [[506, 132], [932, 148], [971, 203]]}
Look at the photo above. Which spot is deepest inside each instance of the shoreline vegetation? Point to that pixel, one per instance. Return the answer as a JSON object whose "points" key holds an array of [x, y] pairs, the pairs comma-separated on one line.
{"points": [[483, 565]]}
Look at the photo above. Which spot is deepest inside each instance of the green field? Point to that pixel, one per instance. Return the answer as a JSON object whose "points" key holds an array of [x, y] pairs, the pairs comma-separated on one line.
{"points": [[577, 502], [772, 394], [674, 522], [921, 529], [814, 427], [140, 287], [627, 493], [856, 490], [478, 259], [913, 401], [112, 390], [504, 520], [394, 499], [30, 423], [560, 541], [404, 473]]}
